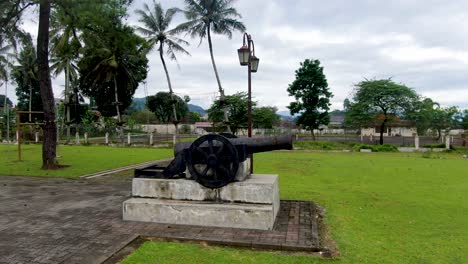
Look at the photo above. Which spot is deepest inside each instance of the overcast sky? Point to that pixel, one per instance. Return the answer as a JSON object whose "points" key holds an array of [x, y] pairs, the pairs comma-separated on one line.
{"points": [[422, 44]]}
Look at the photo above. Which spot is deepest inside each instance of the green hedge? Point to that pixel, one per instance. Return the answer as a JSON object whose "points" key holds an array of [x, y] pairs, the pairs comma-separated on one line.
{"points": [[376, 148]]}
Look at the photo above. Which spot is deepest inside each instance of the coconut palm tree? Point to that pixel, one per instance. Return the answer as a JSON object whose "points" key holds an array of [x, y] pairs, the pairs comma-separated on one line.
{"points": [[156, 23], [65, 47], [26, 75], [207, 16], [4, 76]]}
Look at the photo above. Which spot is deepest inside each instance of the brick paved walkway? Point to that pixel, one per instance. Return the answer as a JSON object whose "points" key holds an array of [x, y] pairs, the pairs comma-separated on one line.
{"points": [[79, 221]]}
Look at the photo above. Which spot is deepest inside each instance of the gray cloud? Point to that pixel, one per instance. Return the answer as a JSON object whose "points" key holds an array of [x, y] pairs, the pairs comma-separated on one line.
{"points": [[419, 43]]}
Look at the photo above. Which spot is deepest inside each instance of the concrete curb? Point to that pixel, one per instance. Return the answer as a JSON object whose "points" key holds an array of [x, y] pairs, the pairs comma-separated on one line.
{"points": [[135, 166]]}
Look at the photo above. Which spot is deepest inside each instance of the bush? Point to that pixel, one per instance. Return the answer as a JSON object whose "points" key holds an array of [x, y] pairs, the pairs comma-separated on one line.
{"points": [[376, 148], [436, 145], [323, 145]]}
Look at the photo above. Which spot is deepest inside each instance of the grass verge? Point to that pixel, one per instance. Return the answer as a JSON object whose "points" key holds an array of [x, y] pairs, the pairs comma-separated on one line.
{"points": [[82, 160], [381, 208]]}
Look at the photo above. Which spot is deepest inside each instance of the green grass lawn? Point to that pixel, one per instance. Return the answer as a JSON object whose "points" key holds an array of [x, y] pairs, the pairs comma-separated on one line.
{"points": [[82, 159], [380, 208]]}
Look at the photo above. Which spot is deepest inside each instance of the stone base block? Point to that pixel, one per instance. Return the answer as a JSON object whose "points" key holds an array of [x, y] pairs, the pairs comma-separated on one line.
{"points": [[258, 188], [236, 215]]}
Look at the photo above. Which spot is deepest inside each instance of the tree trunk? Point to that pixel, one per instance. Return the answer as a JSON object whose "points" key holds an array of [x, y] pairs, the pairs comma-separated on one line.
{"points": [[175, 121], [67, 101], [7, 112], [117, 108], [222, 98], [30, 103], [382, 127], [312, 134], [49, 146]]}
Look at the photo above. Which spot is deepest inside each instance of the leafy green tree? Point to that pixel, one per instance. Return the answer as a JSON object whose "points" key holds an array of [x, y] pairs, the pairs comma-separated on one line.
{"points": [[5, 101], [65, 52], [265, 117], [144, 116], [207, 16], [443, 119], [157, 22], [161, 105], [312, 95], [236, 105], [114, 63], [379, 98], [193, 117], [26, 76], [464, 120], [421, 112]]}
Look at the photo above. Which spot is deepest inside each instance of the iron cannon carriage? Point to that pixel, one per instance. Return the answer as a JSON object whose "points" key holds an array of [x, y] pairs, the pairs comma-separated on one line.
{"points": [[213, 160]]}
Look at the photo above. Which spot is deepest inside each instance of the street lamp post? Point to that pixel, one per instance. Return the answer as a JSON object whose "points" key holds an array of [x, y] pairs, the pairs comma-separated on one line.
{"points": [[247, 58]]}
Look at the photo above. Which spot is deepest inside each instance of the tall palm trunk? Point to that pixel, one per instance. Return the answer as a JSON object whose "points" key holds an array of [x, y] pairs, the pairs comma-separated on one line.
{"points": [[7, 111], [170, 91], [221, 91], [67, 100], [117, 107], [49, 147], [30, 102]]}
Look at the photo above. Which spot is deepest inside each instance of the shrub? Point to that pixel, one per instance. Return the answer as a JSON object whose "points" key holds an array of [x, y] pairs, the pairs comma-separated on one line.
{"points": [[323, 145], [376, 148], [436, 145]]}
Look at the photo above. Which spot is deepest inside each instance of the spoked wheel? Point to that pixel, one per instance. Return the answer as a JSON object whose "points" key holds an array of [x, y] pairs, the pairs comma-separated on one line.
{"points": [[213, 161]]}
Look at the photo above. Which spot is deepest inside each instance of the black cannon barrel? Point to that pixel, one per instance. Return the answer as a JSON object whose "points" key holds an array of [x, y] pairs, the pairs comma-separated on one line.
{"points": [[263, 144], [253, 145]]}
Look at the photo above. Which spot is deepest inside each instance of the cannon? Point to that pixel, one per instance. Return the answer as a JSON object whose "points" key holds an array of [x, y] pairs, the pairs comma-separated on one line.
{"points": [[213, 160]]}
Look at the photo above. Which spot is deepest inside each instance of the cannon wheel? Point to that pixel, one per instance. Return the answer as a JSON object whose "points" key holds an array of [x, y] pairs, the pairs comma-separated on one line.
{"points": [[213, 161]]}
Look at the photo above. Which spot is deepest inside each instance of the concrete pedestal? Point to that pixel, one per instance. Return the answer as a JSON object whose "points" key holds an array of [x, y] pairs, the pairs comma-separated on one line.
{"points": [[253, 203]]}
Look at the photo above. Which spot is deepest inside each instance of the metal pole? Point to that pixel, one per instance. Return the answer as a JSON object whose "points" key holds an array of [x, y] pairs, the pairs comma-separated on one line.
{"points": [[249, 74], [249, 103]]}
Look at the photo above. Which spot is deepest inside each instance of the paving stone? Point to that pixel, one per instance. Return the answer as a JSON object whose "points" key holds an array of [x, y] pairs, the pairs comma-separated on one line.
{"points": [[76, 221]]}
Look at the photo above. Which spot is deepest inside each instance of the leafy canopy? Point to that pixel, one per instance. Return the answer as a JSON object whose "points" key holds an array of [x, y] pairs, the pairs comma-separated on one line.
{"points": [[114, 59], [211, 15], [236, 105], [379, 101], [312, 95], [162, 103]]}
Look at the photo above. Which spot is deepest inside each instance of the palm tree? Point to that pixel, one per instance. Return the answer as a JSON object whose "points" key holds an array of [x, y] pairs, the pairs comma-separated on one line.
{"points": [[4, 76], [217, 16], [156, 22], [64, 55], [27, 73]]}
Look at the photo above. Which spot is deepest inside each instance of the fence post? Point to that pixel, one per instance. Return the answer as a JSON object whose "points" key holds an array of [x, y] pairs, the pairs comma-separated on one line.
{"points": [[107, 138], [36, 137], [86, 137], [151, 139], [416, 142], [129, 140], [77, 138], [447, 142], [371, 139], [0, 135]]}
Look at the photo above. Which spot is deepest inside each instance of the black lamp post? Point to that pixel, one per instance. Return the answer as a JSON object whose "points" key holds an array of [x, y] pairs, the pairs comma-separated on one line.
{"points": [[247, 58]]}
